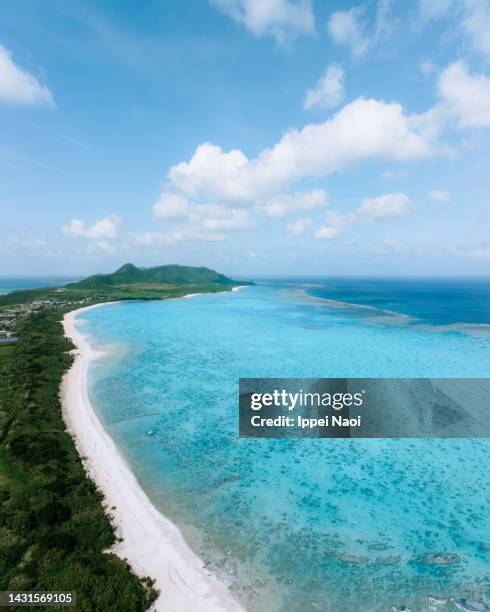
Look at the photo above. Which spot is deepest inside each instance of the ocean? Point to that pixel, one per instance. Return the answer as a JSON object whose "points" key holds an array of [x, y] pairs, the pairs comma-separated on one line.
{"points": [[9, 284], [330, 524]]}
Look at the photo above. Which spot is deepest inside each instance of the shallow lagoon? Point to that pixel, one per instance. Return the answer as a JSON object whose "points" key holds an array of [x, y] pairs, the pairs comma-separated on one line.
{"points": [[295, 524]]}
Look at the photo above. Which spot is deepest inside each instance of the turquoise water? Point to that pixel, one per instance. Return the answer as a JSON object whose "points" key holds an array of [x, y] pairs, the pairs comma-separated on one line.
{"points": [[334, 525]]}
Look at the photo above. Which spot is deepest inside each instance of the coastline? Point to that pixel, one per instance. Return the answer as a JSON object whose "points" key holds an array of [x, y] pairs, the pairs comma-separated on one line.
{"points": [[152, 544]]}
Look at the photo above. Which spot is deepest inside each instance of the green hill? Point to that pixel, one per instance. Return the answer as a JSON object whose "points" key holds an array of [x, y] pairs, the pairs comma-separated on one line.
{"points": [[129, 274], [127, 283]]}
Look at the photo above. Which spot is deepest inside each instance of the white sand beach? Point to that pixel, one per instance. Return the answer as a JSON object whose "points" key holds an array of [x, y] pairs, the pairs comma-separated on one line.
{"points": [[191, 295], [152, 544]]}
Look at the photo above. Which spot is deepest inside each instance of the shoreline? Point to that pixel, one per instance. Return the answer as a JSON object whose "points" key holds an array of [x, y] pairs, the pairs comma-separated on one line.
{"points": [[152, 544]]}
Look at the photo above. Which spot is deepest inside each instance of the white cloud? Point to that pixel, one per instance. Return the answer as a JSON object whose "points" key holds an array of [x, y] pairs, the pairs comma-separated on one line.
{"points": [[220, 218], [332, 226], [298, 227], [472, 17], [351, 28], [347, 28], [440, 196], [156, 239], [328, 91], [385, 206], [18, 86], [281, 19], [176, 208], [476, 25], [194, 221], [362, 130], [335, 219], [390, 205], [103, 229], [324, 232], [170, 206], [465, 95], [213, 172], [283, 204]]}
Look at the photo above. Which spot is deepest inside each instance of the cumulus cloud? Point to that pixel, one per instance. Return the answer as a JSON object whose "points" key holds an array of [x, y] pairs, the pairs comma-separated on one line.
{"points": [[195, 221], [220, 218], [348, 28], [298, 227], [465, 95], [351, 28], [382, 207], [103, 229], [333, 223], [385, 206], [335, 219], [328, 91], [174, 207], [362, 130], [440, 196], [171, 206], [284, 204], [18, 86], [283, 20], [325, 232]]}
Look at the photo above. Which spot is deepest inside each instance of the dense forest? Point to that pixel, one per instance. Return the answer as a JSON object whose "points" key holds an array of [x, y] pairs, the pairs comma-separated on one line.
{"points": [[54, 532]]}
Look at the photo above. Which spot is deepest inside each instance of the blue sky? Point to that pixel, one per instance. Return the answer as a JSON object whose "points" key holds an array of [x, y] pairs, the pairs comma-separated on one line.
{"points": [[252, 136]]}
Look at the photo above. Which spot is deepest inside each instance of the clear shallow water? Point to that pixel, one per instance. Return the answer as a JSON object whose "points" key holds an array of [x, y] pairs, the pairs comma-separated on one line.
{"points": [[337, 525]]}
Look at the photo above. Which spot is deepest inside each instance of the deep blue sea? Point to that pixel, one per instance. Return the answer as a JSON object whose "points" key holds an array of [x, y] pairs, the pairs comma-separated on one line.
{"points": [[434, 300], [335, 525], [7, 285]]}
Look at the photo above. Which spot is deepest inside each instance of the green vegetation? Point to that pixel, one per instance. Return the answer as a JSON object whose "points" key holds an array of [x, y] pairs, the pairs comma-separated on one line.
{"points": [[129, 275], [54, 533], [72, 294], [53, 529], [25, 296], [127, 283]]}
